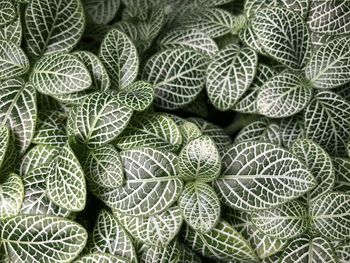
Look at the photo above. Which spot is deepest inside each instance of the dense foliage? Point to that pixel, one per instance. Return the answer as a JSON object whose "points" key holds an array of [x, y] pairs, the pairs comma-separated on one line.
{"points": [[116, 126]]}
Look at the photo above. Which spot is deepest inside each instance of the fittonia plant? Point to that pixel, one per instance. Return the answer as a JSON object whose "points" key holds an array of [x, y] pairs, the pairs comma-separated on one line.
{"points": [[112, 146]]}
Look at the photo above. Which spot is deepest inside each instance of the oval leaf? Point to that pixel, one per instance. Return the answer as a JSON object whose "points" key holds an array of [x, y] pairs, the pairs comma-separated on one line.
{"points": [[102, 11], [11, 196]]}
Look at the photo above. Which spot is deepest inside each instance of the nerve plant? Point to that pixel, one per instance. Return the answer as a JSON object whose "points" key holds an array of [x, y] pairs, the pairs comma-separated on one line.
{"points": [[111, 140]]}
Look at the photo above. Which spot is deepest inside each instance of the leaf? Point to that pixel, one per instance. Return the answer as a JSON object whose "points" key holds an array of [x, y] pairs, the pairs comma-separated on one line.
{"points": [[291, 129], [53, 26], [108, 236], [11, 196], [189, 131], [189, 38], [283, 95], [169, 253], [305, 249], [60, 73], [18, 110], [319, 164], [156, 230], [283, 35], [230, 74], [100, 119], [329, 66], [284, 222], [102, 11], [223, 243], [200, 206], [35, 201], [7, 12], [151, 130], [199, 160], [100, 258], [258, 176], [37, 238], [103, 167], [330, 216], [119, 56], [329, 113], [5, 137], [342, 170], [187, 255], [343, 252], [66, 173], [13, 31], [145, 168], [137, 96]]}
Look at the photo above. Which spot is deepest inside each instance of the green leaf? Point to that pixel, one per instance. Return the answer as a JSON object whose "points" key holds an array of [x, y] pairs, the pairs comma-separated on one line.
{"points": [[189, 38], [37, 238], [103, 167], [283, 95], [200, 206], [119, 56], [319, 164], [342, 171], [187, 255], [230, 74], [330, 64], [343, 252], [330, 216], [137, 96], [223, 243], [327, 122], [13, 60], [7, 12], [283, 35], [5, 137], [189, 131], [258, 176], [287, 221], [100, 258], [169, 253], [53, 26], [66, 173], [291, 129], [8, 152], [156, 230], [60, 73], [145, 168], [100, 119], [102, 11], [108, 236], [18, 110], [305, 249], [153, 130], [178, 76], [11, 196], [199, 160], [13, 31]]}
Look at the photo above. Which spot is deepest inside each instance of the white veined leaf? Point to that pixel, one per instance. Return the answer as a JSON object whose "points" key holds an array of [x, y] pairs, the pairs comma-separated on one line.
{"points": [[169, 253], [330, 216], [8, 152], [287, 221], [73, 99], [200, 206], [329, 66], [103, 167], [319, 163], [13, 31], [343, 252], [99, 75], [13, 60], [178, 76], [319, 40], [189, 132], [39, 155], [119, 56], [199, 160], [329, 17], [100, 119], [66, 173], [18, 110], [311, 250], [260, 130], [129, 29], [291, 129], [283, 96], [344, 91], [247, 36], [7, 12], [211, 3], [329, 113], [145, 168], [229, 75], [258, 176], [102, 11], [53, 26], [221, 243], [11, 196], [60, 73], [5, 137], [189, 38], [187, 255], [101, 258], [38, 238], [156, 230], [283, 35], [153, 130], [35, 200], [137, 96], [342, 171], [109, 236]]}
